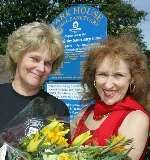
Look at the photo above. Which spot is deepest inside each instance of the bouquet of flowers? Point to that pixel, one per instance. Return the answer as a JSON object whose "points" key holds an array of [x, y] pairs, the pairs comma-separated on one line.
{"points": [[36, 133], [49, 143]]}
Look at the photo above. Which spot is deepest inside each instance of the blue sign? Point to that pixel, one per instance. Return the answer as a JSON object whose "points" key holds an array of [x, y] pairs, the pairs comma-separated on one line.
{"points": [[80, 25]]}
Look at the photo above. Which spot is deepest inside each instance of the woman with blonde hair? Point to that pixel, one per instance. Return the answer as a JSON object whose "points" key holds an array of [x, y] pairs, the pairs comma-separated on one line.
{"points": [[34, 51]]}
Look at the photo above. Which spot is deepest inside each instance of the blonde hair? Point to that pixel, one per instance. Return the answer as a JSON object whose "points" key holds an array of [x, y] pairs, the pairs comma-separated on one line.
{"points": [[31, 37]]}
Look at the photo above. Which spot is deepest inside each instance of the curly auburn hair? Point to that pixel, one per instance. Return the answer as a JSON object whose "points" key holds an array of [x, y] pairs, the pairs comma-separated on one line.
{"points": [[125, 48]]}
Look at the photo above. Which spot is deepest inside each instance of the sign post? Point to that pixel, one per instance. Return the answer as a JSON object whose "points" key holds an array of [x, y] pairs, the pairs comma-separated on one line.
{"points": [[80, 26]]}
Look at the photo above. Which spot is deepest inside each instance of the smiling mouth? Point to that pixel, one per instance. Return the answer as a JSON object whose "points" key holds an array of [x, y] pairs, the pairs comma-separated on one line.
{"points": [[109, 93]]}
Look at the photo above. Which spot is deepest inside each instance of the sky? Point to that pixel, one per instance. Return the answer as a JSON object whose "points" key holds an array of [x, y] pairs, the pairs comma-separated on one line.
{"points": [[144, 25]]}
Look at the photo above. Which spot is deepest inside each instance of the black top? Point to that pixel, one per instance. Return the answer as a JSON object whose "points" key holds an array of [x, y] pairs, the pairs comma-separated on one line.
{"points": [[12, 103]]}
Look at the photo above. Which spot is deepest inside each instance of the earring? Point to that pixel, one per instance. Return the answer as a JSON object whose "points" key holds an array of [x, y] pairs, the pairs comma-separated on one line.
{"points": [[132, 87], [94, 83]]}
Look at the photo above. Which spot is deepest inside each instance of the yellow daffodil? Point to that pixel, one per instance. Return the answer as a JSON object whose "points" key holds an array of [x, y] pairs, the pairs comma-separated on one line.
{"points": [[34, 143], [63, 133], [120, 139], [51, 126], [79, 140], [62, 142], [64, 156]]}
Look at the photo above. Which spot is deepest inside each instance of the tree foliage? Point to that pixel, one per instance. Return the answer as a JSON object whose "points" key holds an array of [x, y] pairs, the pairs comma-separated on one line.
{"points": [[122, 16]]}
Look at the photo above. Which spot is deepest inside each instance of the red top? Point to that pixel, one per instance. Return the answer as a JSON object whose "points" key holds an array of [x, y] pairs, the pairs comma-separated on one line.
{"points": [[108, 128], [110, 125]]}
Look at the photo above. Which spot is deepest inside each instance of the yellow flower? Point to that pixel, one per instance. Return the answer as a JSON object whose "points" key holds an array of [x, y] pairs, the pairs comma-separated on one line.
{"points": [[54, 133], [62, 142], [82, 138], [63, 133], [34, 143], [118, 142], [50, 126], [57, 138], [64, 156]]}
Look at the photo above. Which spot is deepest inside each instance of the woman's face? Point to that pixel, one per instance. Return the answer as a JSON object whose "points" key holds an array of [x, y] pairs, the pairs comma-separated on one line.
{"points": [[112, 80], [34, 68]]}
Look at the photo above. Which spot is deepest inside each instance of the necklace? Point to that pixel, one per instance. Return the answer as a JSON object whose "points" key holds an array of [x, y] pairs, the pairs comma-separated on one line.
{"points": [[100, 117]]}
